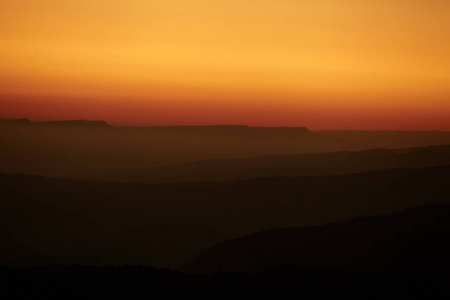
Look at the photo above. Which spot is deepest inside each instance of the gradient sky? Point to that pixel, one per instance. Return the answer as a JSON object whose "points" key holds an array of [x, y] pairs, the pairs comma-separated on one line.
{"points": [[325, 64]]}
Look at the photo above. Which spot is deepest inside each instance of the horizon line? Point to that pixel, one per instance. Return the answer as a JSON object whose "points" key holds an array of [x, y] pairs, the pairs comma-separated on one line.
{"points": [[27, 120]]}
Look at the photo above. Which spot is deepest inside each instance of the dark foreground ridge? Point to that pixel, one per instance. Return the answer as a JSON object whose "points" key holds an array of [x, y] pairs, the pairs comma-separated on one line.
{"points": [[81, 282], [287, 282], [415, 240], [408, 259]]}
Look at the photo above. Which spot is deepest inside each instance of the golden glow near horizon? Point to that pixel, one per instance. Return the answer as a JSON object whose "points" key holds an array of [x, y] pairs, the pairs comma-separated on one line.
{"points": [[341, 56]]}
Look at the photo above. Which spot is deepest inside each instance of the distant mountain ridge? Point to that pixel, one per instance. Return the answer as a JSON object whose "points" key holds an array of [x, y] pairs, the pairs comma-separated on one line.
{"points": [[79, 149], [93, 150], [62, 124], [389, 138], [203, 129], [318, 164], [234, 130]]}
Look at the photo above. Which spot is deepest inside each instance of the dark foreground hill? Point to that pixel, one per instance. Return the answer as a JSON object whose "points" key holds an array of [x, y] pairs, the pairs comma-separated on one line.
{"points": [[314, 164], [82, 282], [47, 221], [415, 240]]}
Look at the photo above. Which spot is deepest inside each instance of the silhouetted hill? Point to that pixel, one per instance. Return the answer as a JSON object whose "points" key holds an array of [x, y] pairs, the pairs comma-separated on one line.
{"points": [[416, 240], [60, 124], [317, 164], [14, 121], [137, 282], [74, 123], [45, 220]]}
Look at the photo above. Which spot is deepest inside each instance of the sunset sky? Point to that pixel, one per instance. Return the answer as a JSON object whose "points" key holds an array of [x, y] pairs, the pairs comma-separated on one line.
{"points": [[325, 64]]}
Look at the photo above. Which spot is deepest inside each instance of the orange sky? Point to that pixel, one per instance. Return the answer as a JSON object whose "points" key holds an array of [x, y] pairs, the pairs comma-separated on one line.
{"points": [[325, 64]]}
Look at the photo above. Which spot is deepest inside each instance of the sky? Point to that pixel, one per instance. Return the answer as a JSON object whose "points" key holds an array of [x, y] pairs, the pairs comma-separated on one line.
{"points": [[324, 64]]}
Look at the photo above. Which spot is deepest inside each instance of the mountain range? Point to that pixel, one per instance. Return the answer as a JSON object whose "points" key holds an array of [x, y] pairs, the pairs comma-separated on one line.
{"points": [[46, 220], [312, 164], [94, 150]]}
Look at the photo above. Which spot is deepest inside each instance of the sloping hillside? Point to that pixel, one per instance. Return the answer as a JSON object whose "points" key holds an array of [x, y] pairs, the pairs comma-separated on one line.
{"points": [[416, 239]]}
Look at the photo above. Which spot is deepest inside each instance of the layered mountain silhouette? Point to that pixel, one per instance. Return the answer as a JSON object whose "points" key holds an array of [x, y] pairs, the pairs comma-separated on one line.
{"points": [[316, 164], [351, 214], [62, 221], [88, 150], [93, 150], [413, 240]]}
